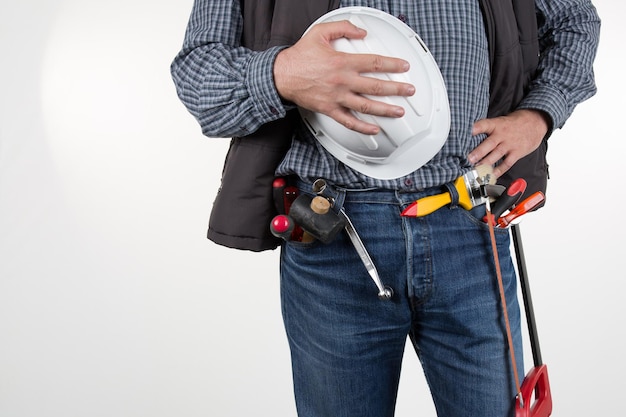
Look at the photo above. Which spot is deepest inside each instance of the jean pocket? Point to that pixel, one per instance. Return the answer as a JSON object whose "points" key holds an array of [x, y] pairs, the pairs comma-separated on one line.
{"points": [[302, 245], [477, 215]]}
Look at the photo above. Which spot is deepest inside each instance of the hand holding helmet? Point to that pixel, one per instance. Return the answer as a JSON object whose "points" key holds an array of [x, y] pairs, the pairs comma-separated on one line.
{"points": [[403, 141], [317, 77]]}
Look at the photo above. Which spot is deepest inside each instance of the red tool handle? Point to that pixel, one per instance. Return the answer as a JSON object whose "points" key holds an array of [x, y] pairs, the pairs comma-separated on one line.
{"points": [[282, 226], [536, 383], [510, 197], [529, 204]]}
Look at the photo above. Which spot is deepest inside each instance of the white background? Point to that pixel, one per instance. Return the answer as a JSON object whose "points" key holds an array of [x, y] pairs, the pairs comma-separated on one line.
{"points": [[112, 301]]}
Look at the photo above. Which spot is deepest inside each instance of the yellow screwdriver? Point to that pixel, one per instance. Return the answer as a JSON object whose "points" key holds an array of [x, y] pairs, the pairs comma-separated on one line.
{"points": [[467, 187]]}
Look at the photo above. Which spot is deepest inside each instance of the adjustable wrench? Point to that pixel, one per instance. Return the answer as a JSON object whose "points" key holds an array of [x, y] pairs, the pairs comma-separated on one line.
{"points": [[384, 292], [323, 189]]}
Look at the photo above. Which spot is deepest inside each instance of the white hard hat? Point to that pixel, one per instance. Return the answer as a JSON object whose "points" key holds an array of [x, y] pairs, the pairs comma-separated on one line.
{"points": [[403, 144]]}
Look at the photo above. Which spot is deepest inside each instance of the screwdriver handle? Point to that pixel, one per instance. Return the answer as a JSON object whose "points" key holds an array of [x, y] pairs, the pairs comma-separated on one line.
{"points": [[510, 196], [278, 193], [529, 204], [427, 205]]}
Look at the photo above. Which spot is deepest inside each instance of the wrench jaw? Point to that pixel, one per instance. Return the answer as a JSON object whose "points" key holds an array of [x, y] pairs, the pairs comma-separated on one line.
{"points": [[386, 293]]}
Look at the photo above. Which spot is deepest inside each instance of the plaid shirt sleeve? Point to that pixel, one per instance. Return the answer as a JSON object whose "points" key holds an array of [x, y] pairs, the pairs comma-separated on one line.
{"points": [[229, 89], [568, 36]]}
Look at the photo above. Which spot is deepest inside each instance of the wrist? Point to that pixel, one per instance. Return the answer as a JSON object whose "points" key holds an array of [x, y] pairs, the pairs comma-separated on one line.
{"points": [[281, 77], [540, 119]]}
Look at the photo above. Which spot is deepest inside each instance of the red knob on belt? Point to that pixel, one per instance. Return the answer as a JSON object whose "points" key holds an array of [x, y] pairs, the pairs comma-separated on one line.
{"points": [[282, 226]]}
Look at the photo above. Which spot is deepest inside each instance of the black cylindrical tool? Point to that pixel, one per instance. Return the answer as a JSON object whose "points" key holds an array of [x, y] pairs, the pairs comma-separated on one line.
{"points": [[278, 192]]}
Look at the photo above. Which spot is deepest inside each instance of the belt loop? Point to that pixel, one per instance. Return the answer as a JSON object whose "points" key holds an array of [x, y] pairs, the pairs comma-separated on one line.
{"points": [[454, 194], [335, 196]]}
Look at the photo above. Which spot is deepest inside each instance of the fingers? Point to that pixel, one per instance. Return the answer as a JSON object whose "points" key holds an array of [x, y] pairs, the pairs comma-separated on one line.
{"points": [[347, 119], [359, 62], [504, 166], [485, 126], [509, 138], [313, 75], [371, 79], [336, 30], [372, 63], [488, 152], [497, 148], [362, 97]]}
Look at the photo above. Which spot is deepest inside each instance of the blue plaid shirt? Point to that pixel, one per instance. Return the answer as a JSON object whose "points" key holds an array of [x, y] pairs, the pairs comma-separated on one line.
{"points": [[230, 89]]}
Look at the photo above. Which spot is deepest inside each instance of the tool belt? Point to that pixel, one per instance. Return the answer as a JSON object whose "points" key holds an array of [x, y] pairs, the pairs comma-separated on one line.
{"points": [[315, 212], [306, 218], [318, 214]]}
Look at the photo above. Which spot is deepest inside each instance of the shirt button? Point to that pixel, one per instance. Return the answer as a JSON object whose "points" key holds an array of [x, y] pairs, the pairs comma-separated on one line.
{"points": [[274, 110], [402, 18], [408, 182]]}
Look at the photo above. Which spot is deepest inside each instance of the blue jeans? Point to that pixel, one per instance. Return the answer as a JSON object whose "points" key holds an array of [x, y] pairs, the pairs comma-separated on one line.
{"points": [[347, 345]]}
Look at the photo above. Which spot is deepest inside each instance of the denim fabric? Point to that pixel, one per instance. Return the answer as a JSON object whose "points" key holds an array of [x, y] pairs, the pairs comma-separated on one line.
{"points": [[347, 345]]}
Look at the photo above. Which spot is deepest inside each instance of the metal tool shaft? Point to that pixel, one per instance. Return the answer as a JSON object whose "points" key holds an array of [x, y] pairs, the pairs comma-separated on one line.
{"points": [[525, 288], [322, 188], [384, 293]]}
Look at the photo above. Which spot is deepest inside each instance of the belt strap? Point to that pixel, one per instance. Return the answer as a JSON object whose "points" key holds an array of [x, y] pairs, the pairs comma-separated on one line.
{"points": [[494, 247]]}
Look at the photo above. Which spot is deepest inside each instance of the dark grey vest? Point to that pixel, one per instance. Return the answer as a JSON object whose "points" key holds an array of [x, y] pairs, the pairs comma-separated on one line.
{"points": [[243, 208]]}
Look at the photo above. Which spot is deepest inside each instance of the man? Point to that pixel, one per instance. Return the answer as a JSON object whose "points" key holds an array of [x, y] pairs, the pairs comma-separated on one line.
{"points": [[346, 344]]}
